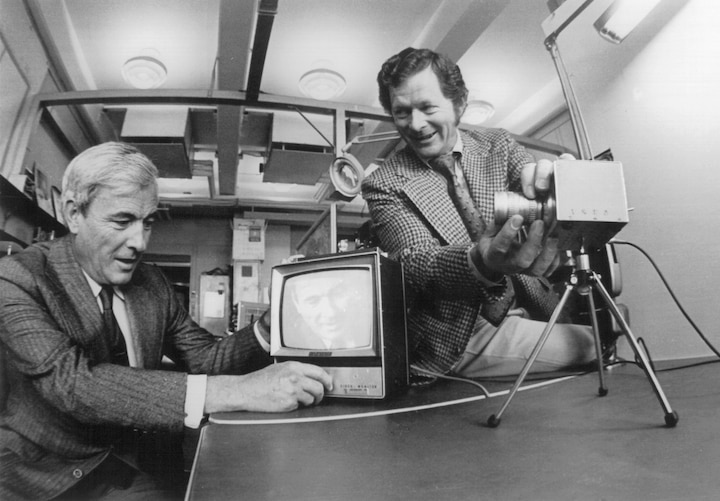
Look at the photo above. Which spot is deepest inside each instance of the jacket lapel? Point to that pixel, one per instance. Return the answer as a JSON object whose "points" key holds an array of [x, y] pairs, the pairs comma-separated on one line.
{"points": [[145, 322], [78, 308], [72, 298], [428, 191], [475, 153]]}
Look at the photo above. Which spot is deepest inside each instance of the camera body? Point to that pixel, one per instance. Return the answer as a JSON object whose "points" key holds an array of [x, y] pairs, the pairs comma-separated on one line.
{"points": [[585, 208]]}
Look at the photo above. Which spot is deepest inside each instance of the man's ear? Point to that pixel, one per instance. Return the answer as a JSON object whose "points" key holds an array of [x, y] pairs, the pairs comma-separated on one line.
{"points": [[459, 111], [71, 211]]}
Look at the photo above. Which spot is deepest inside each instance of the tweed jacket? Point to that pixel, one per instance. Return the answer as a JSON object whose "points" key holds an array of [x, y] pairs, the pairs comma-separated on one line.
{"points": [[66, 402], [417, 224]]}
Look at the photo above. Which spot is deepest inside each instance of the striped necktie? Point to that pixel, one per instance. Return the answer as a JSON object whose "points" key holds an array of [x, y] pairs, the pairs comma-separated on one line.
{"points": [[118, 349]]}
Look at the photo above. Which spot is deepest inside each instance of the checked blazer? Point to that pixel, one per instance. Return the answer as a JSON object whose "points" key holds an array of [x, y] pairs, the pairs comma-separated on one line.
{"points": [[417, 224], [66, 403]]}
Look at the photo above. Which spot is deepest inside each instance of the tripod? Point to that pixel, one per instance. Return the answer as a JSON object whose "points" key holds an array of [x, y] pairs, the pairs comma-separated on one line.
{"points": [[583, 280]]}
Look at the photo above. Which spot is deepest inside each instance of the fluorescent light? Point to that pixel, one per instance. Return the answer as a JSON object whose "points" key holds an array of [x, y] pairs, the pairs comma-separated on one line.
{"points": [[621, 17]]}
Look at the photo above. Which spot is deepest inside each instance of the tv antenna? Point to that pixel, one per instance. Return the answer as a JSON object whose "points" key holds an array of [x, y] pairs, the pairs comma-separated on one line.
{"points": [[583, 281]]}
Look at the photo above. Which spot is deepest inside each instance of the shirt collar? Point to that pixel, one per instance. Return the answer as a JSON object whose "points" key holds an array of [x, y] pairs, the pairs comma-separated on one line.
{"points": [[96, 287], [458, 148]]}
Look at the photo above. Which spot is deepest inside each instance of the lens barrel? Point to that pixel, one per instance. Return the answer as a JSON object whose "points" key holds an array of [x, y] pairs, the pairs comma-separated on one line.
{"points": [[507, 204]]}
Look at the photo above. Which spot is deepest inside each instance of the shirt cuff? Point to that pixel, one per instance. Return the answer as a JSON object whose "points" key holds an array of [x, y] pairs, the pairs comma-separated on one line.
{"points": [[195, 400], [260, 337]]}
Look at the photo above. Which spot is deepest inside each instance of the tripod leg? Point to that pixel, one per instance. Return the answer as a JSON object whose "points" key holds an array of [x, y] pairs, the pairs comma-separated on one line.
{"points": [[671, 417], [602, 391], [494, 420]]}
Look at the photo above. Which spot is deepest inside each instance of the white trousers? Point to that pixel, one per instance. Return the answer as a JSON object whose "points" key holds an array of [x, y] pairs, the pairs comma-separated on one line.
{"points": [[503, 350]]}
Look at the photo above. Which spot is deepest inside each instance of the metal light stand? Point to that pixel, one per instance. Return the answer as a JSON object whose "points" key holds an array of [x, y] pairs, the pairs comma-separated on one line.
{"points": [[583, 280]]}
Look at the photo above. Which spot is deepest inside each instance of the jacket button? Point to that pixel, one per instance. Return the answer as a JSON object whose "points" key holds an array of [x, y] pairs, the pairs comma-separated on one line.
{"points": [[77, 473]]}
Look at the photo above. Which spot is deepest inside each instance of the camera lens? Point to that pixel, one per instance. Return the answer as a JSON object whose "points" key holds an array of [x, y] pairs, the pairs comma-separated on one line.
{"points": [[507, 204]]}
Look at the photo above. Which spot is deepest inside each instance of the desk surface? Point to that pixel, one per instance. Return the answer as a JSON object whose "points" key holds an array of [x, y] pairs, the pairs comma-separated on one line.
{"points": [[556, 441]]}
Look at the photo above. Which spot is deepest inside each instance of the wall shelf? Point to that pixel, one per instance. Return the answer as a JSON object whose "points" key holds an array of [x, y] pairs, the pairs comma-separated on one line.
{"points": [[14, 203]]}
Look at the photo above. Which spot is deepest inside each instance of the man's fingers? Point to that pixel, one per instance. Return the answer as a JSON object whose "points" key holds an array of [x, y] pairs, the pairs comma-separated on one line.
{"points": [[548, 260], [313, 392], [553, 266], [536, 178], [543, 175], [505, 239], [527, 180], [310, 383], [529, 251], [317, 374]]}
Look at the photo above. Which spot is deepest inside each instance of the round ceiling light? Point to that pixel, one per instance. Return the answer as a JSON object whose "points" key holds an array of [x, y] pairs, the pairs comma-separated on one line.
{"points": [[322, 84], [478, 112], [144, 72]]}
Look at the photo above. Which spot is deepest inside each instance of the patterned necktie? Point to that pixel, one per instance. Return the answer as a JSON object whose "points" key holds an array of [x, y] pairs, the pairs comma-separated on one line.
{"points": [[460, 195], [118, 349]]}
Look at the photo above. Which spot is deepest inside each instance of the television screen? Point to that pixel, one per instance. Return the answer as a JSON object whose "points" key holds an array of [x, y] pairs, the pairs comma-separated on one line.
{"points": [[343, 312], [328, 309]]}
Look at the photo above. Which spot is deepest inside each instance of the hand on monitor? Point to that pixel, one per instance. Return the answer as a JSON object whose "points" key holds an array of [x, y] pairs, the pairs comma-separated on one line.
{"points": [[277, 388]]}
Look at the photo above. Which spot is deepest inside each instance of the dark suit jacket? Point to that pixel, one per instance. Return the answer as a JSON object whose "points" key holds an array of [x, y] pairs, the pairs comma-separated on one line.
{"points": [[417, 224], [67, 403]]}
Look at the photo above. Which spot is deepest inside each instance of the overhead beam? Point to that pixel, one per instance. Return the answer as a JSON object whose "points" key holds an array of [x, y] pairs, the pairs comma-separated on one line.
{"points": [[265, 19], [457, 24], [202, 97], [469, 26], [236, 26]]}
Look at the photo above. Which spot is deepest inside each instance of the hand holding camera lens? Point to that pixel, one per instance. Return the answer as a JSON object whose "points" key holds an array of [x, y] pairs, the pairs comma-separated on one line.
{"points": [[503, 252], [522, 244], [536, 178]]}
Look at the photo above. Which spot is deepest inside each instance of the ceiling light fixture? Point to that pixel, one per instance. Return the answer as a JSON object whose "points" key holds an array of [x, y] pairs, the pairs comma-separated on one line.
{"points": [[322, 84], [622, 17], [144, 72], [478, 112]]}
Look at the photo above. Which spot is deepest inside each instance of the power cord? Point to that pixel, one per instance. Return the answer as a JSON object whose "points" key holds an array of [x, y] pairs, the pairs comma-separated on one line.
{"points": [[433, 376], [438, 375], [672, 294]]}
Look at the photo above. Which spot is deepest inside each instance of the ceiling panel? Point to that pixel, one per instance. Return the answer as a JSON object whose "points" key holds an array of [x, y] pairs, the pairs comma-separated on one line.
{"points": [[208, 44]]}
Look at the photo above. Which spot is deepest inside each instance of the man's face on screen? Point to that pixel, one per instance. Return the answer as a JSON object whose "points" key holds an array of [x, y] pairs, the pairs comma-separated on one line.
{"points": [[325, 303]]}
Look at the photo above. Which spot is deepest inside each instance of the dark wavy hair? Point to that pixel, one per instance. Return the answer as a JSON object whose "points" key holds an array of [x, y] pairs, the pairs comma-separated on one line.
{"points": [[409, 62]]}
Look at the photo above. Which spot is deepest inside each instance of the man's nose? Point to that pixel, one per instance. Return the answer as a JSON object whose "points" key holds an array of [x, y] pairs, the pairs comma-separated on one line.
{"points": [[417, 120], [138, 237]]}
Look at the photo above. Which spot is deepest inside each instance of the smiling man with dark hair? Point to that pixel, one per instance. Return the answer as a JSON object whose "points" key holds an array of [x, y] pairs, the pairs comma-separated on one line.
{"points": [[479, 297]]}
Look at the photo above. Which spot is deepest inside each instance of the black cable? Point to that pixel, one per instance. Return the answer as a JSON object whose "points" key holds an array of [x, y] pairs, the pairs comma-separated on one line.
{"points": [[622, 361], [638, 360], [672, 294], [452, 378], [641, 341]]}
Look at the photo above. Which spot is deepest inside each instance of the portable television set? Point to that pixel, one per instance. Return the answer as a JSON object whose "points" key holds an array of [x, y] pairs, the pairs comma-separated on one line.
{"points": [[346, 313]]}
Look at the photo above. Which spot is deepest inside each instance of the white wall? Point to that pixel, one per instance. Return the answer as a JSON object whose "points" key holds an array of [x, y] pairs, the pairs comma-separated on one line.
{"points": [[660, 114], [18, 36]]}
